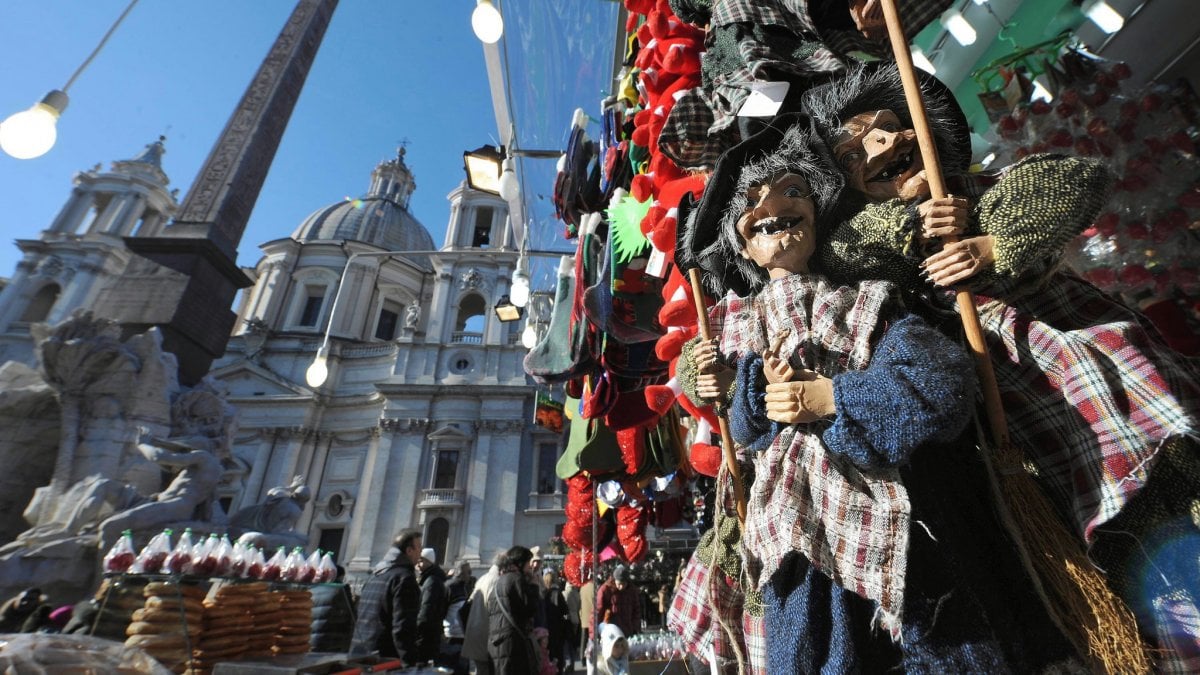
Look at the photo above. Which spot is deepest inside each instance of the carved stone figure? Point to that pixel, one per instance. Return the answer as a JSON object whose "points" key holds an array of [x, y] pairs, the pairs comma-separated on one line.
{"points": [[412, 316], [273, 523], [189, 496]]}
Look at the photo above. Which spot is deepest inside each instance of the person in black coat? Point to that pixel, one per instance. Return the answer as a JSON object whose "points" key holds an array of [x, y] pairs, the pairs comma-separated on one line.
{"points": [[433, 607], [511, 607], [554, 605], [391, 600], [332, 616]]}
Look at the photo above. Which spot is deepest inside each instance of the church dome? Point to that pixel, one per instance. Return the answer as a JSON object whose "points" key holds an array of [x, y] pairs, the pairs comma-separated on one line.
{"points": [[380, 217]]}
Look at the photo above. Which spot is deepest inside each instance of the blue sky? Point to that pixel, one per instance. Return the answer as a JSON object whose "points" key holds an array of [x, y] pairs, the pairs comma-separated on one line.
{"points": [[388, 70]]}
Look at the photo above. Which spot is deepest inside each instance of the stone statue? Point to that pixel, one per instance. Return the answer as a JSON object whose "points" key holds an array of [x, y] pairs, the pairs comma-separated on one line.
{"points": [[273, 523], [189, 496], [412, 316]]}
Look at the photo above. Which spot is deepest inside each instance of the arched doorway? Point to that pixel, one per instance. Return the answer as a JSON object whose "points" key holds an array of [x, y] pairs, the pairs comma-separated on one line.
{"points": [[437, 534]]}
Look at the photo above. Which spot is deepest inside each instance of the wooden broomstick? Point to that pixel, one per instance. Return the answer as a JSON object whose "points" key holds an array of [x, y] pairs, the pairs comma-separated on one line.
{"points": [[735, 472], [1098, 623]]}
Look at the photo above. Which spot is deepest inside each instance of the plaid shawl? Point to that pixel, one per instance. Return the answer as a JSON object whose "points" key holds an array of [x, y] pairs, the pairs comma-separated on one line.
{"points": [[692, 610], [770, 40], [851, 523], [1090, 391]]}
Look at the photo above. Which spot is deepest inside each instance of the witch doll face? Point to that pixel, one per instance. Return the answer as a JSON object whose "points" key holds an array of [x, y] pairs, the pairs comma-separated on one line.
{"points": [[880, 157], [777, 230]]}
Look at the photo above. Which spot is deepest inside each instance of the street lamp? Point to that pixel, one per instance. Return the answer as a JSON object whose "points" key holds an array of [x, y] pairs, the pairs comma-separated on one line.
{"points": [[31, 133], [483, 168], [506, 311]]}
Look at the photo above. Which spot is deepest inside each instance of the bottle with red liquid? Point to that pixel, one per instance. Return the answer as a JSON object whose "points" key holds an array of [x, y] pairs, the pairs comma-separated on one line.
{"points": [[327, 569], [293, 566], [223, 555], [120, 557], [180, 560], [204, 561], [308, 574], [255, 563], [152, 557], [274, 566], [241, 560]]}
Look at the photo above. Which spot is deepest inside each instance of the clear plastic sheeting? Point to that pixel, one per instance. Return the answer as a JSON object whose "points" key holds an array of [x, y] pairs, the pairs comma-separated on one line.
{"points": [[51, 654], [560, 57]]}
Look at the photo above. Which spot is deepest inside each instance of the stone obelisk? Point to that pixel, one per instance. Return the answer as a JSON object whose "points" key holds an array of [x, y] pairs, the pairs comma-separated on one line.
{"points": [[184, 280]]}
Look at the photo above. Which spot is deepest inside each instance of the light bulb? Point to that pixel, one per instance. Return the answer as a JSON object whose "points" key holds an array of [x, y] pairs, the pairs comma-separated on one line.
{"points": [[921, 61], [31, 133], [518, 294], [959, 27], [509, 187], [487, 22], [318, 372], [1103, 15], [529, 336]]}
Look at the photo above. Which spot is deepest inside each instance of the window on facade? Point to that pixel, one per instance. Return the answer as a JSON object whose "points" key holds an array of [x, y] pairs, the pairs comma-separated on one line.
{"points": [[469, 323], [389, 316], [314, 297], [331, 540], [445, 470], [437, 535], [547, 458], [481, 235], [41, 304]]}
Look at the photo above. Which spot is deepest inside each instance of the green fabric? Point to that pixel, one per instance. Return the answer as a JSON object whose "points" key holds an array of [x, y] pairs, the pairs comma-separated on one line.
{"points": [[1040, 205], [720, 547], [1033, 211], [685, 375], [625, 229]]}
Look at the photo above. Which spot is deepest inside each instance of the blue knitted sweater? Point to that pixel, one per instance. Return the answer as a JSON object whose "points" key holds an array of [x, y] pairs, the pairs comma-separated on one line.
{"points": [[907, 409]]}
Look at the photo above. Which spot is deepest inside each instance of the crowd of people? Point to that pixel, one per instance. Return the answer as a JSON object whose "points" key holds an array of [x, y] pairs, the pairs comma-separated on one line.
{"points": [[519, 616]]}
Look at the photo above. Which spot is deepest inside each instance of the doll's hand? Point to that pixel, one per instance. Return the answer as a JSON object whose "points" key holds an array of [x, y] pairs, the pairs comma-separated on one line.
{"points": [[712, 387], [706, 356], [776, 368], [943, 217], [805, 400], [868, 18], [960, 260]]}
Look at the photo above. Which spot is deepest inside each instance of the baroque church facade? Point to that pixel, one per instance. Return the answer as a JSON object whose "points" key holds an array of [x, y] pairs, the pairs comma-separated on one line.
{"points": [[425, 416]]}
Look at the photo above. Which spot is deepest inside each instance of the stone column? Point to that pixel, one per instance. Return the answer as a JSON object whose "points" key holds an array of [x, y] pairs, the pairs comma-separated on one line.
{"points": [[252, 494], [130, 216], [475, 498], [107, 218], [72, 213], [406, 480], [366, 501]]}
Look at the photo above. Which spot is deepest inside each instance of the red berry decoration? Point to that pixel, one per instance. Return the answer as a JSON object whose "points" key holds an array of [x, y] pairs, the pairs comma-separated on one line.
{"points": [[1098, 127], [1125, 132], [1182, 141], [1097, 98], [1137, 231], [1151, 102], [1070, 96], [1135, 275], [1065, 109], [1039, 107], [1009, 126], [1122, 71], [1107, 223], [1061, 139], [1130, 110], [1104, 80], [1085, 146]]}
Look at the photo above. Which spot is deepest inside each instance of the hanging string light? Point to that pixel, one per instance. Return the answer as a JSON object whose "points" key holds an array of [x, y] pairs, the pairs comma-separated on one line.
{"points": [[487, 22], [31, 133]]}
